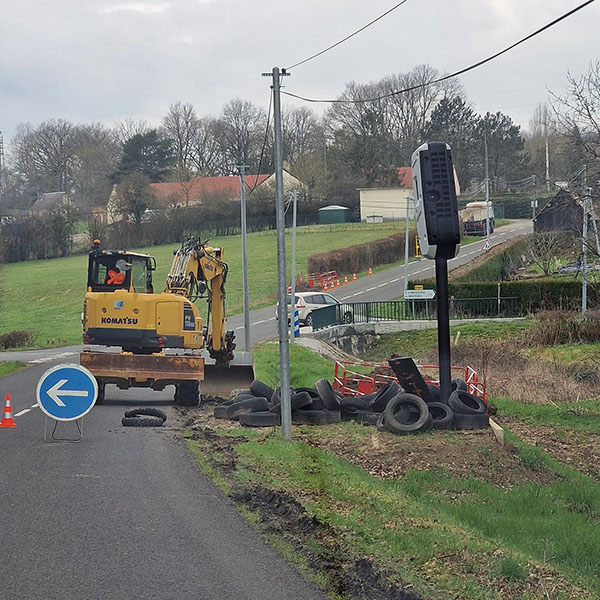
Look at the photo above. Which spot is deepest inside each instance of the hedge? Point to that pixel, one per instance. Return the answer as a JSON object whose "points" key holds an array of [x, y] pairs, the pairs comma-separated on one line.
{"points": [[533, 294], [361, 256]]}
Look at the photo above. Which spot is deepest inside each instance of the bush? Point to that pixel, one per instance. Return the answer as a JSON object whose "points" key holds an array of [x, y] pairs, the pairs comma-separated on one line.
{"points": [[361, 256], [557, 327], [15, 339]]}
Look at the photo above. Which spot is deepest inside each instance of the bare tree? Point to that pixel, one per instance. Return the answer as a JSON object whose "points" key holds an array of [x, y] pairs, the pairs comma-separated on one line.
{"points": [[240, 132], [578, 113], [543, 249], [123, 131], [303, 133], [207, 156], [181, 127], [45, 155]]}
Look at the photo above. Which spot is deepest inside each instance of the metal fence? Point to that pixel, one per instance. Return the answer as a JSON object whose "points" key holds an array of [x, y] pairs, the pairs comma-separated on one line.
{"points": [[407, 310]]}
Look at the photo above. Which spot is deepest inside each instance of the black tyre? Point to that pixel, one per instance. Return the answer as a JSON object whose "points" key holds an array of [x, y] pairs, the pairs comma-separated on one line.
{"points": [[259, 419], [297, 401], [101, 390], [442, 415], [332, 416], [466, 421], [220, 411], [144, 417], [458, 384], [308, 321], [260, 389], [463, 403], [327, 394], [381, 422], [350, 405], [366, 417], [435, 392], [348, 317], [248, 405], [188, 393], [383, 396], [244, 392], [309, 417], [399, 421]]}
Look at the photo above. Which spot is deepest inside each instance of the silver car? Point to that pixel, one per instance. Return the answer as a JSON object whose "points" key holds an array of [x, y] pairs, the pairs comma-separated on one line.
{"points": [[306, 302]]}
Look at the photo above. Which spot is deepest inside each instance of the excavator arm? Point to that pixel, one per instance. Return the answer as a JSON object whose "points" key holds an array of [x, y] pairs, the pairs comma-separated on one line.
{"points": [[198, 271]]}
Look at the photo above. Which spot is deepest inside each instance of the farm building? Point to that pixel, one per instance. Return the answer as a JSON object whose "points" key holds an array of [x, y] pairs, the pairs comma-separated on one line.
{"points": [[564, 212]]}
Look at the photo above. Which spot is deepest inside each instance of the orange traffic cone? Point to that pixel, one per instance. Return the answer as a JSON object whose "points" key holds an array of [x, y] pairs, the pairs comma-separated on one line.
{"points": [[370, 271], [338, 282], [345, 279], [325, 287], [7, 418], [353, 276]]}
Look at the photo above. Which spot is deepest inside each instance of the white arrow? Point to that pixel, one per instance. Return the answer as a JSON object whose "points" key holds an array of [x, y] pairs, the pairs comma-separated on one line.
{"points": [[55, 389]]}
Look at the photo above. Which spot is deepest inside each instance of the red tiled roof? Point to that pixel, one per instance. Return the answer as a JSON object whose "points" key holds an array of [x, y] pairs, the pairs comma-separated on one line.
{"points": [[200, 187], [405, 176]]}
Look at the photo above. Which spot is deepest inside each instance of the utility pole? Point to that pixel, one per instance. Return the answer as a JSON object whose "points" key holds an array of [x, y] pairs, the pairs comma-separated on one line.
{"points": [[284, 348], [1, 161], [242, 171], [293, 290], [547, 166], [487, 192], [585, 242]]}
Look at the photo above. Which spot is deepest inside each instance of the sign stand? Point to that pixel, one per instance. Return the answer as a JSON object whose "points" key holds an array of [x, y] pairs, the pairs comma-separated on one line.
{"points": [[53, 438], [66, 393]]}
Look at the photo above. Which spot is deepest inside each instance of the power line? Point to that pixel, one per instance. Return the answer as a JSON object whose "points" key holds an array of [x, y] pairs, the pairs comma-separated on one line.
{"points": [[451, 75], [347, 37], [262, 150]]}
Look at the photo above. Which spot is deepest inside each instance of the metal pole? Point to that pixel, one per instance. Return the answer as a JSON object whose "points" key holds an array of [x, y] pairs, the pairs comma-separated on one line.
{"points": [[487, 192], [293, 290], [547, 162], [443, 319], [585, 243], [284, 349], [406, 249], [242, 171]]}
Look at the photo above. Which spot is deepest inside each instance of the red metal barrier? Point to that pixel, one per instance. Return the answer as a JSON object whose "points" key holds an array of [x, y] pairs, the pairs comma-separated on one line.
{"points": [[350, 382]]}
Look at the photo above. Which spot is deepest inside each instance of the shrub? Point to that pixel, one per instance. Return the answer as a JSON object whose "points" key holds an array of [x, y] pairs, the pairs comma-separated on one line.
{"points": [[361, 256], [15, 339]]}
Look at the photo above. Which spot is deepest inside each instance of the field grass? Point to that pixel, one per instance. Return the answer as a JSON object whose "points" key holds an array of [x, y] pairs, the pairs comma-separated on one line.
{"points": [[420, 343], [409, 526], [7, 368], [46, 296]]}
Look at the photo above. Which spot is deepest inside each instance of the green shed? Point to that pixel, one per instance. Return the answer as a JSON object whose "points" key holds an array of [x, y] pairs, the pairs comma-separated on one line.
{"points": [[334, 214]]}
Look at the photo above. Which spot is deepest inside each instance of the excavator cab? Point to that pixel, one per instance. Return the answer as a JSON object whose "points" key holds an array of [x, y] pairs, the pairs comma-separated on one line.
{"points": [[110, 270]]}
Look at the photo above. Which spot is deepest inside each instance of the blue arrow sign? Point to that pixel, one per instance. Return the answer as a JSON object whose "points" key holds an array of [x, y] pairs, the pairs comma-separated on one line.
{"points": [[67, 392]]}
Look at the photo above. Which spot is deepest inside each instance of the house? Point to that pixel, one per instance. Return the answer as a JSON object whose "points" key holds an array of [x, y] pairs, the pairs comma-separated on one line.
{"points": [[192, 193], [564, 212], [391, 203], [52, 202]]}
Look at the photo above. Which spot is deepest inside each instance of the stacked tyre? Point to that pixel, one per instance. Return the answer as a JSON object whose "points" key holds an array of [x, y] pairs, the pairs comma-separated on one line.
{"points": [[469, 410], [260, 405]]}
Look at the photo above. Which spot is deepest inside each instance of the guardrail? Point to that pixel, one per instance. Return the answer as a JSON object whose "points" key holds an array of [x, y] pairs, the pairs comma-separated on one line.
{"points": [[409, 310]]}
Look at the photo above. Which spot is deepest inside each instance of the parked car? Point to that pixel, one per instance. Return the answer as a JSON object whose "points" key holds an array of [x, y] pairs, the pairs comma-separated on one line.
{"points": [[306, 302]]}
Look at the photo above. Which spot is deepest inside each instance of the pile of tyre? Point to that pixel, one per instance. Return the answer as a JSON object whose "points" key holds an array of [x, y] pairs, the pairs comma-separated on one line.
{"points": [[260, 405], [405, 413], [389, 409]]}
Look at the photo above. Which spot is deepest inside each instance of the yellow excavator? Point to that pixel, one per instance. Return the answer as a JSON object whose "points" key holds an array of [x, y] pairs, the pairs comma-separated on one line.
{"points": [[161, 337]]}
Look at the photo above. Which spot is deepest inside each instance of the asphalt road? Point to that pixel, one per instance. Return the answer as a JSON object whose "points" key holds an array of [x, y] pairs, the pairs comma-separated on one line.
{"points": [[125, 513]]}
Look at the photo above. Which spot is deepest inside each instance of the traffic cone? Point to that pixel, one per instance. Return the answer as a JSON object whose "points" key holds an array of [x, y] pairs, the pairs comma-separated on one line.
{"points": [[338, 282], [370, 271], [7, 418], [353, 276], [345, 279], [325, 287]]}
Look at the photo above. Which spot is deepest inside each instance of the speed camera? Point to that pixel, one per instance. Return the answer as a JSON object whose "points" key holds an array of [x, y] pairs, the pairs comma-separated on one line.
{"points": [[436, 208]]}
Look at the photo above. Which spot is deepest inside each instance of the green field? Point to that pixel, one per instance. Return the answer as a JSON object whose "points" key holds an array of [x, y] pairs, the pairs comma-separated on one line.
{"points": [[46, 296]]}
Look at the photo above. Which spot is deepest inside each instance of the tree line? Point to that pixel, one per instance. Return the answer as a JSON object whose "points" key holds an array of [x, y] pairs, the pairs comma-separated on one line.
{"points": [[359, 142]]}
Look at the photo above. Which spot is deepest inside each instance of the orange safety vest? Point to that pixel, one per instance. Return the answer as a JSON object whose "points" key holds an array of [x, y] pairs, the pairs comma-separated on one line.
{"points": [[115, 278]]}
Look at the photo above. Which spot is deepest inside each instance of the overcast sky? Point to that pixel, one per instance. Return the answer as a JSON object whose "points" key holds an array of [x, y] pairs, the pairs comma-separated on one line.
{"points": [[108, 60]]}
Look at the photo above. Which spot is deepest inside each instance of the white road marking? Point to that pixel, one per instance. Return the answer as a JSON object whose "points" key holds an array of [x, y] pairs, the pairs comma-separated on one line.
{"points": [[51, 358], [382, 285], [259, 322], [34, 405], [370, 289], [22, 412], [394, 280]]}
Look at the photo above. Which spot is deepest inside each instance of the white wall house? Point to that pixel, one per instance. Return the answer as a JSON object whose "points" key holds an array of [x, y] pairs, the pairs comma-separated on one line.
{"points": [[389, 203]]}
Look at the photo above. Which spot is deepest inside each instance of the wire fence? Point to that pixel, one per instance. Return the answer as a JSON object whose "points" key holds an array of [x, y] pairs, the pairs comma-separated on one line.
{"points": [[409, 310]]}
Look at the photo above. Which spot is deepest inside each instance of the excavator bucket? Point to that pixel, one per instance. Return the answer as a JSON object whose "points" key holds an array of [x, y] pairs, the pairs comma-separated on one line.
{"points": [[220, 380]]}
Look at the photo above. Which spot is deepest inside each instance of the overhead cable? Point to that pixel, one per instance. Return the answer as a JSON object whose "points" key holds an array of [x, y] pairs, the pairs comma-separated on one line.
{"points": [[262, 150], [451, 75], [347, 37]]}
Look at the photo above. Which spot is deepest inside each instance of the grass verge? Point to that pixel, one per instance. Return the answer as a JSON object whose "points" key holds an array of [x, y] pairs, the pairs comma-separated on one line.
{"points": [[8, 368]]}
